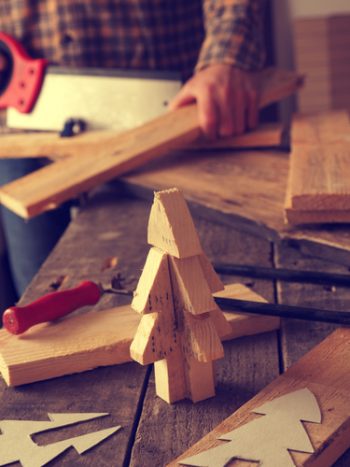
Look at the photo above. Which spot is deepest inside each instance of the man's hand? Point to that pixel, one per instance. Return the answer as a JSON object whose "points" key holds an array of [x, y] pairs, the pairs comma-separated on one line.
{"points": [[227, 100]]}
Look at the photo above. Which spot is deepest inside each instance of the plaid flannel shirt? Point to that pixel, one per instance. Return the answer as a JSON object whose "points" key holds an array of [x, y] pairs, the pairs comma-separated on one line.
{"points": [[173, 35]]}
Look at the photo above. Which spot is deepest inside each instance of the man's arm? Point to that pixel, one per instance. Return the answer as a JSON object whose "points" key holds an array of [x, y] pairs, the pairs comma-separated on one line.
{"points": [[223, 84]]}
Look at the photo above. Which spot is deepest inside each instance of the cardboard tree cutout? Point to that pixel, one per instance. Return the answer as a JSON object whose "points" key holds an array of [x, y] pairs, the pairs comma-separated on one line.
{"points": [[181, 325], [268, 439]]}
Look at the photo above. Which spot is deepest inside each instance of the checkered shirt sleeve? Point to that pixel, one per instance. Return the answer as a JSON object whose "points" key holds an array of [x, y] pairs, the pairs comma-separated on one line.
{"points": [[234, 34]]}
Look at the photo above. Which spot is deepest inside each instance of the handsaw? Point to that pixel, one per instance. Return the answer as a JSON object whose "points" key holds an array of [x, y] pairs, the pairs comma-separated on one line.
{"points": [[42, 97]]}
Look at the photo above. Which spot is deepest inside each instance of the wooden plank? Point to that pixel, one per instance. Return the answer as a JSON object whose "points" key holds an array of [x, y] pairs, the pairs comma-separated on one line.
{"points": [[98, 338], [326, 372], [241, 374], [50, 186], [253, 204], [318, 177], [18, 145]]}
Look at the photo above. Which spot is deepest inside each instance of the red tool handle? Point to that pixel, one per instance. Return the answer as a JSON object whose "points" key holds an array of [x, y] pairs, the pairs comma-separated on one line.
{"points": [[18, 319], [26, 78]]}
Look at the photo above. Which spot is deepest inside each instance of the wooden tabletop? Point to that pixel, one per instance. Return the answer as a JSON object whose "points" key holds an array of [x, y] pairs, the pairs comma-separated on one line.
{"points": [[108, 237]]}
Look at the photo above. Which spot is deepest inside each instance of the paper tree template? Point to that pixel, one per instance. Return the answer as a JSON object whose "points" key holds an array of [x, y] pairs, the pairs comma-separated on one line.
{"points": [[16, 444], [267, 439], [181, 328]]}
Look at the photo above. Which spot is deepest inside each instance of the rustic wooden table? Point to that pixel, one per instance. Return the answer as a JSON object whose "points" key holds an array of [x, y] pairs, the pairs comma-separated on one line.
{"points": [[112, 226]]}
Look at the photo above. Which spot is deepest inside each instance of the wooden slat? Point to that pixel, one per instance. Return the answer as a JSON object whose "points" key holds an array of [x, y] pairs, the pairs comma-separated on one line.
{"points": [[319, 169], [326, 372], [50, 145], [98, 338], [54, 184]]}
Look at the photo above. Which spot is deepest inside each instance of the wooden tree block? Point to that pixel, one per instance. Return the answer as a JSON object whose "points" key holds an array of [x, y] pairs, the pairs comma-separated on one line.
{"points": [[318, 186], [62, 180], [325, 371], [153, 292], [171, 227], [97, 338]]}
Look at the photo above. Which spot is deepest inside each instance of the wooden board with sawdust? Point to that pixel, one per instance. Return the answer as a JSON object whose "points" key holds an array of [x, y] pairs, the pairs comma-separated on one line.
{"points": [[98, 338]]}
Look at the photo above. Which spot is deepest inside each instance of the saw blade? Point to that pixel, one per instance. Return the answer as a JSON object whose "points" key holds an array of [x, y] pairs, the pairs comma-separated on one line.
{"points": [[104, 99]]}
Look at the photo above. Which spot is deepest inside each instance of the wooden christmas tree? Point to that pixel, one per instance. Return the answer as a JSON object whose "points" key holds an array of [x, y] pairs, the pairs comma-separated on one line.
{"points": [[181, 328]]}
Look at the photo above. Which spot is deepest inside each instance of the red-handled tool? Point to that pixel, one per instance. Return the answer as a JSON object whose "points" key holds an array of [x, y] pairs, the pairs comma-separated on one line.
{"points": [[21, 76], [18, 319]]}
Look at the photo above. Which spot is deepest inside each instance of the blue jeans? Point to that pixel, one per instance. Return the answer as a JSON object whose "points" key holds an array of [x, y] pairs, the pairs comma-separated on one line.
{"points": [[28, 242]]}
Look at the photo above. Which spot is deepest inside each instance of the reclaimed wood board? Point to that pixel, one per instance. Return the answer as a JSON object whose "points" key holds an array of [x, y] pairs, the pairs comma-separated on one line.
{"points": [[318, 184], [244, 189], [64, 179], [86, 341], [325, 370]]}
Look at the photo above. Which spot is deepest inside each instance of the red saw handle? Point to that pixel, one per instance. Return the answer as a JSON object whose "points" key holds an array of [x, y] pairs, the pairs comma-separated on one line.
{"points": [[18, 319], [23, 78]]}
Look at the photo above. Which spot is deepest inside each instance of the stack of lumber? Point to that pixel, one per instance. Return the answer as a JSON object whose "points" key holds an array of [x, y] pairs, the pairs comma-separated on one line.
{"points": [[319, 182], [322, 53]]}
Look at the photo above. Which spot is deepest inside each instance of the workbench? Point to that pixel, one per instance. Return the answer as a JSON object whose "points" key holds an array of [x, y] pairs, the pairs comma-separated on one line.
{"points": [[108, 237]]}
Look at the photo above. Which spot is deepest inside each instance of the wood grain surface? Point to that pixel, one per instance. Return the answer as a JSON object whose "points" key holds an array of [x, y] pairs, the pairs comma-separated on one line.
{"points": [[318, 184], [99, 244]]}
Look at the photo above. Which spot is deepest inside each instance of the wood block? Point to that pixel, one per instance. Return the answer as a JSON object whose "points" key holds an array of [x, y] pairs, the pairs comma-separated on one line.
{"points": [[153, 291], [212, 278], [319, 168], [202, 340], [190, 289], [171, 227], [82, 342], [62, 180], [325, 371]]}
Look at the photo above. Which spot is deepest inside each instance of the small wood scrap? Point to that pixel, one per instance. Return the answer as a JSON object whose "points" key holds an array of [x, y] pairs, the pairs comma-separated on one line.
{"points": [[325, 372], [79, 342], [267, 439], [318, 185], [16, 444], [122, 153]]}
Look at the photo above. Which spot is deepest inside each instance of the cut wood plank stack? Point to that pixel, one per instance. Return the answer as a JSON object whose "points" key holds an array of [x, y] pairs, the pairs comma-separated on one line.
{"points": [[62, 180], [319, 175], [325, 371], [86, 341], [322, 53]]}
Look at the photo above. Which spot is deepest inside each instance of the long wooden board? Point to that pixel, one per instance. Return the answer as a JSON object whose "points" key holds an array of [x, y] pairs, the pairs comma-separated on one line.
{"points": [[319, 177], [51, 145], [326, 372], [50, 186], [98, 338]]}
